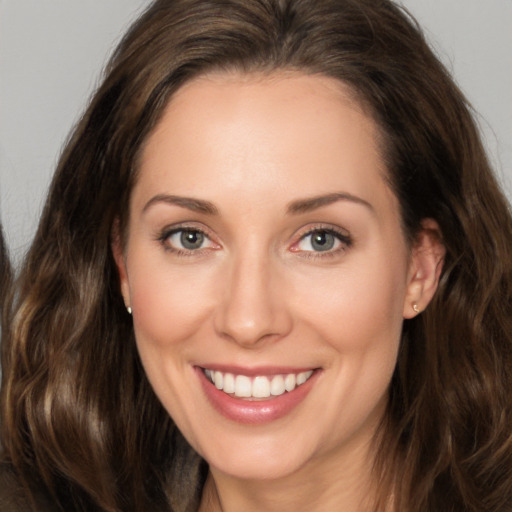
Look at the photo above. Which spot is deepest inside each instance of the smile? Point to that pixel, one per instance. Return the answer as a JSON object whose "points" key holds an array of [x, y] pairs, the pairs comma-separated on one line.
{"points": [[255, 397], [260, 386]]}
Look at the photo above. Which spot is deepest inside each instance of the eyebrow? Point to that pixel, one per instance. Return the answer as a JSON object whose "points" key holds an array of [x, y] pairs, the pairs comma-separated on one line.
{"points": [[295, 207], [312, 203], [190, 203]]}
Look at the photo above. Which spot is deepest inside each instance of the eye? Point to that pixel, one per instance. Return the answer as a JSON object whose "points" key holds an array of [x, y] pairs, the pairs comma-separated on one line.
{"points": [[322, 240], [318, 241], [186, 240]]}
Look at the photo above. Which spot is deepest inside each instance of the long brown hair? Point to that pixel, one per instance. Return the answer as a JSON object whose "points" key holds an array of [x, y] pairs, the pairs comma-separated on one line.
{"points": [[79, 419]]}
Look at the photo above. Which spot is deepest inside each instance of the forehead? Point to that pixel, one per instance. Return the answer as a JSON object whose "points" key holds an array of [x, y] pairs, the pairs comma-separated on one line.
{"points": [[238, 94], [265, 132]]}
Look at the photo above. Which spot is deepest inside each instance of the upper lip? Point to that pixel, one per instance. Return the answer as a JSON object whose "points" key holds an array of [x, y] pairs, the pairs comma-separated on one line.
{"points": [[254, 371]]}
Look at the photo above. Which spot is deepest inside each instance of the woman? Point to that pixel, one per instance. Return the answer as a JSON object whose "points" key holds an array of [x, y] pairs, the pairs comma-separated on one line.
{"points": [[272, 273]]}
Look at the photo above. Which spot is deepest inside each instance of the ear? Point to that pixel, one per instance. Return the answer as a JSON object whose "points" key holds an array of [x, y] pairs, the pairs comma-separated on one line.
{"points": [[425, 266], [119, 258]]}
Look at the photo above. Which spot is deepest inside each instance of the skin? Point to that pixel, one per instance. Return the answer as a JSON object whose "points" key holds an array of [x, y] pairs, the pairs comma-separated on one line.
{"points": [[257, 293]]}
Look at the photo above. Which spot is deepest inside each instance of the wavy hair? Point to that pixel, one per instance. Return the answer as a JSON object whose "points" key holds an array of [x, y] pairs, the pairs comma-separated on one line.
{"points": [[80, 422]]}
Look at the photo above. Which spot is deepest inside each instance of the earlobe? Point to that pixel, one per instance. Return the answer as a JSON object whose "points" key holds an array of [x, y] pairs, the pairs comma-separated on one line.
{"points": [[119, 258], [426, 264]]}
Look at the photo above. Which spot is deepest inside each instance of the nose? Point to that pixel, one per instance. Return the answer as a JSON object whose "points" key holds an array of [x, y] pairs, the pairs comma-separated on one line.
{"points": [[252, 305]]}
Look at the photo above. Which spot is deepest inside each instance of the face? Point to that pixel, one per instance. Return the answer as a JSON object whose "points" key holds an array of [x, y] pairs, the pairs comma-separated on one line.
{"points": [[268, 272]]}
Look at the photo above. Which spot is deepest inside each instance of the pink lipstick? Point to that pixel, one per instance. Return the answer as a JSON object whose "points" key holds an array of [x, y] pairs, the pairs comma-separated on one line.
{"points": [[255, 396]]}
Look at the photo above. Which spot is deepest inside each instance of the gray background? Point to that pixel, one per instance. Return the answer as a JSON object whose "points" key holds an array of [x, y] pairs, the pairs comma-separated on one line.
{"points": [[52, 53]]}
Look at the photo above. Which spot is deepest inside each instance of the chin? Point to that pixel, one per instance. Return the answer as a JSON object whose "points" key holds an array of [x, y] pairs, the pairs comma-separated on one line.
{"points": [[260, 458], [249, 467]]}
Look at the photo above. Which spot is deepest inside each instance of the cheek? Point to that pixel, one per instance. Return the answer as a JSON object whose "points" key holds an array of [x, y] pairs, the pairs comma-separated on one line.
{"points": [[358, 313], [169, 303], [356, 308], [169, 309]]}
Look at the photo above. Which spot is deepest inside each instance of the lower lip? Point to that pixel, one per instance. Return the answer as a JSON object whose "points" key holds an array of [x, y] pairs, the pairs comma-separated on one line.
{"points": [[255, 412]]}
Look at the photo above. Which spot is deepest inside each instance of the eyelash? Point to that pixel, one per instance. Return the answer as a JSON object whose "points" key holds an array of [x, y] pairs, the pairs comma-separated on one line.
{"points": [[343, 238]]}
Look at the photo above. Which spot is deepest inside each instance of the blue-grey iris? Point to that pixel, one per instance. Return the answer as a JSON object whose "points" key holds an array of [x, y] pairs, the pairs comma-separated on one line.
{"points": [[322, 241], [191, 239]]}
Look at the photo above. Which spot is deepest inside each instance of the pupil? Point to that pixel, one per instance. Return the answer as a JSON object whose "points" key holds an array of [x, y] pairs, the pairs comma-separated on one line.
{"points": [[191, 239], [322, 241]]}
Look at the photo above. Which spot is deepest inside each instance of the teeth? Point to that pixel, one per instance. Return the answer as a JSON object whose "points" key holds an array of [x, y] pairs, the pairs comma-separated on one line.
{"points": [[243, 386], [229, 383], [218, 380], [277, 386], [289, 382], [257, 387], [301, 378], [261, 387]]}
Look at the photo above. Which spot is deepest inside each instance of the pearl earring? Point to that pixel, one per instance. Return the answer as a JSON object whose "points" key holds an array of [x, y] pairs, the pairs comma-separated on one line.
{"points": [[416, 308], [129, 309]]}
